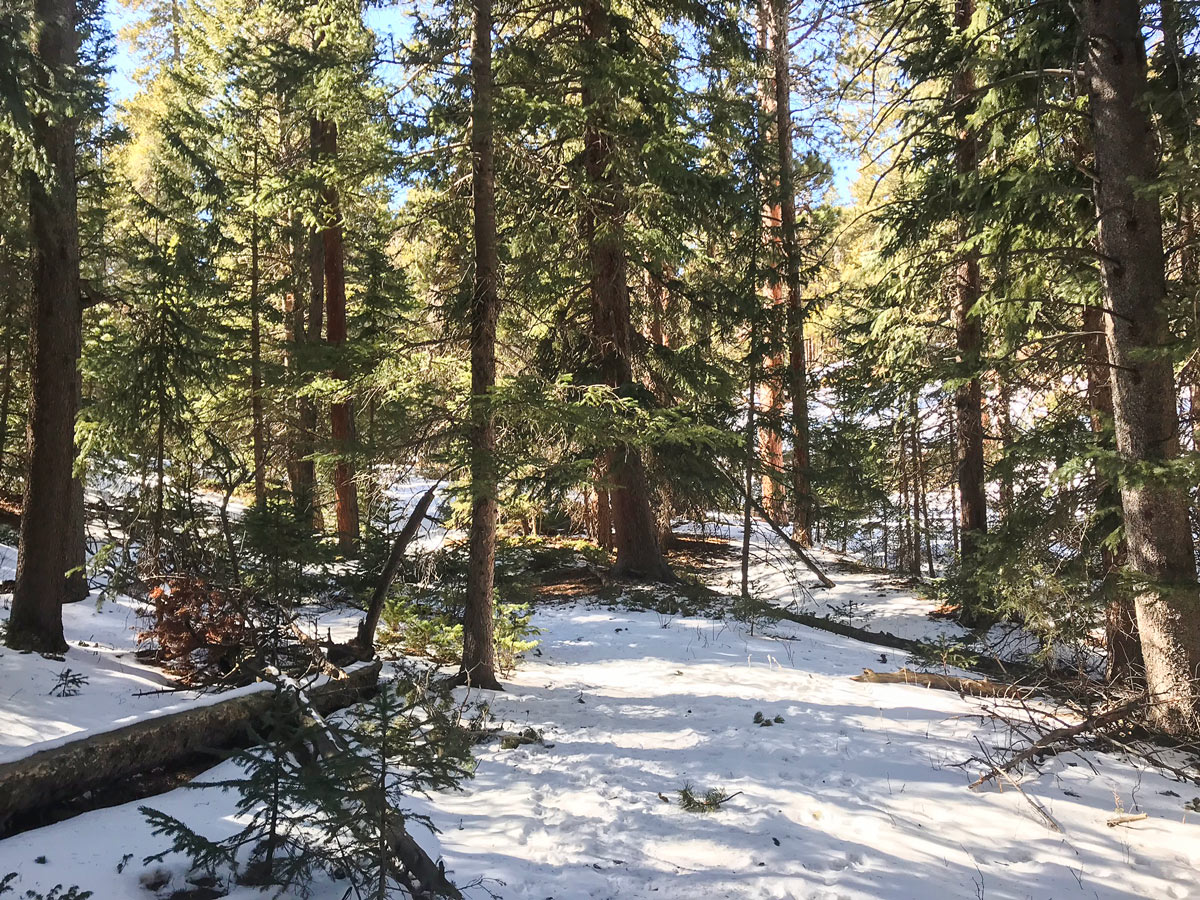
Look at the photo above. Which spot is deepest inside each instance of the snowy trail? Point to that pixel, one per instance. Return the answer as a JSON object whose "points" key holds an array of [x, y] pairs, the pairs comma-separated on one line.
{"points": [[853, 795], [856, 794]]}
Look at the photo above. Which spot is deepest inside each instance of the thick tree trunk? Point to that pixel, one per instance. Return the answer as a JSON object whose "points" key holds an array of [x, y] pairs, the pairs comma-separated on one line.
{"points": [[35, 622], [479, 653], [797, 363], [341, 413], [1157, 527], [308, 335], [968, 330], [638, 551]]}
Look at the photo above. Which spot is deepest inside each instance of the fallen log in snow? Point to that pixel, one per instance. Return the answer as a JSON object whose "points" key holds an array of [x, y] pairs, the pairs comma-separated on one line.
{"points": [[970, 686], [68, 770]]}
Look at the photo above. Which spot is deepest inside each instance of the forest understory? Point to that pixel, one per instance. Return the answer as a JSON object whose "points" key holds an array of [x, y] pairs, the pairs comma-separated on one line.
{"points": [[666, 741]]}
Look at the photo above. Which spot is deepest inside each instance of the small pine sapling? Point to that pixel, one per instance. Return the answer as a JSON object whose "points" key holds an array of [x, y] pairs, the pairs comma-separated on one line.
{"points": [[408, 740], [277, 793], [710, 801], [68, 684]]}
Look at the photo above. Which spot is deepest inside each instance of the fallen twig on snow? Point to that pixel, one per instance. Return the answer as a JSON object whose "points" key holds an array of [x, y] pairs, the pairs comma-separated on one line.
{"points": [[1125, 820], [969, 686]]}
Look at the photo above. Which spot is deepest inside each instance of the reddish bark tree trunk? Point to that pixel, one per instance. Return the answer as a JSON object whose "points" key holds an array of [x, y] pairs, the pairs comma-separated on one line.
{"points": [[638, 551], [797, 363]]}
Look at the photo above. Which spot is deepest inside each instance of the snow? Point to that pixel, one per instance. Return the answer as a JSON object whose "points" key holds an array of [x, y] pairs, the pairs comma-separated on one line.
{"points": [[102, 637], [859, 793]]}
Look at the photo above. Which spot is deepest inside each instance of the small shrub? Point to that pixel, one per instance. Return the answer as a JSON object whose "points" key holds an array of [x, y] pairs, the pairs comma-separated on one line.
{"points": [[68, 684], [424, 627], [943, 653]]}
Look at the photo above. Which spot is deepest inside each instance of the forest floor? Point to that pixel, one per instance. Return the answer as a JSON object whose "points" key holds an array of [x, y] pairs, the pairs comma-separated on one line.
{"points": [[859, 792]]}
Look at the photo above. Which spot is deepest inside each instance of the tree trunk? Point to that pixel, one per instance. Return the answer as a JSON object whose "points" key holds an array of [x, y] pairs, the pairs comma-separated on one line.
{"points": [[35, 622], [751, 456], [638, 551], [1120, 618], [479, 653], [1157, 526], [604, 528], [257, 426], [797, 364], [75, 536], [341, 413], [968, 399], [923, 483], [308, 335]]}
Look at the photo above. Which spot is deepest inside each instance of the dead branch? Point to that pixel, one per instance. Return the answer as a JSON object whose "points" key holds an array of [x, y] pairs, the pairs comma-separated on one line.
{"points": [[1052, 740], [799, 549]]}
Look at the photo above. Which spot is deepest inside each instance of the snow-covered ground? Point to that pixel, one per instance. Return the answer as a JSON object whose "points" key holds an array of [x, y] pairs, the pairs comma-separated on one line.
{"points": [[857, 793]]}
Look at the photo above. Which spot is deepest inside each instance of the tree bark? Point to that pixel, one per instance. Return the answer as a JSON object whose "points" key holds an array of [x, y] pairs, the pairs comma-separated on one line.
{"points": [[257, 424], [365, 637], [1120, 617], [308, 335], [341, 412], [751, 456], [638, 551], [797, 363], [478, 667], [35, 622], [968, 330], [1133, 277]]}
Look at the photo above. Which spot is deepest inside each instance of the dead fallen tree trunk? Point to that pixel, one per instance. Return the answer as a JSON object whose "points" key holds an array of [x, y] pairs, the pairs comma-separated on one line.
{"points": [[983, 664], [68, 771], [423, 877], [969, 686], [799, 549], [364, 641]]}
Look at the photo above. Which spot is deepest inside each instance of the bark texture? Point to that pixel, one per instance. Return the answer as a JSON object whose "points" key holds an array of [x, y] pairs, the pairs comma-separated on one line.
{"points": [[1157, 527], [1120, 617], [479, 652], [797, 363], [43, 557], [634, 533], [968, 331], [341, 412]]}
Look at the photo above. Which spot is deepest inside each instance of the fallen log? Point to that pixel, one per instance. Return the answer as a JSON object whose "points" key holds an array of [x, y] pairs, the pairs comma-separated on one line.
{"points": [[969, 686], [425, 878], [69, 770], [799, 549], [364, 641]]}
